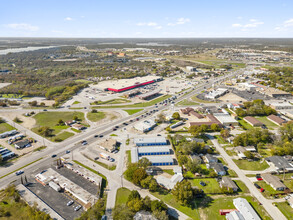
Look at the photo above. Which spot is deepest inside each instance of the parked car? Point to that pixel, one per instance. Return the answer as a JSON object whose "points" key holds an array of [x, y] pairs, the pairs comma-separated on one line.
{"points": [[19, 172], [101, 136], [259, 178], [84, 143], [96, 136], [68, 151], [257, 186], [54, 155], [262, 190], [70, 203], [77, 208]]}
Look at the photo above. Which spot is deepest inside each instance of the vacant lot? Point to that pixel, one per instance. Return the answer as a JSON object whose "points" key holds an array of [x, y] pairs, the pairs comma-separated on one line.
{"points": [[96, 116], [132, 111], [187, 102], [5, 127], [212, 186], [254, 165], [122, 196]]}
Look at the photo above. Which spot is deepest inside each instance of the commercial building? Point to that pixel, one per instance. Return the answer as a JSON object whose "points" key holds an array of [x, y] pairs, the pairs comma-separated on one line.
{"points": [[145, 126], [273, 181], [275, 93], [149, 94], [6, 154], [190, 111], [22, 144], [276, 119], [8, 133], [280, 164], [160, 160], [150, 141], [287, 112], [83, 196], [253, 121], [211, 120], [127, 84], [144, 151], [234, 215], [177, 124], [214, 94], [245, 209], [109, 145], [281, 105], [225, 119], [190, 68], [228, 183]]}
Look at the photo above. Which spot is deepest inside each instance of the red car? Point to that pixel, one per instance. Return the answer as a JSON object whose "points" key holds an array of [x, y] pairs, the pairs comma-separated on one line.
{"points": [[262, 190], [259, 178]]}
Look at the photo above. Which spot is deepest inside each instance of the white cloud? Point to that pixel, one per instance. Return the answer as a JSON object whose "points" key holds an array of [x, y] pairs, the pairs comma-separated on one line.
{"points": [[180, 21], [253, 24], [150, 24], [22, 26], [68, 19], [288, 23]]}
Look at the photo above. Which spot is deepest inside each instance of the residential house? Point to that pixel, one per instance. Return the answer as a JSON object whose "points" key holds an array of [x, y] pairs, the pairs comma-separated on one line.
{"points": [[273, 181], [228, 183]]}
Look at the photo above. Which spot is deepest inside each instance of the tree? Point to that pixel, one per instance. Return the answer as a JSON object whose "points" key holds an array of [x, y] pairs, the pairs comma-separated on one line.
{"points": [[183, 192], [176, 116], [94, 111], [135, 204], [33, 103], [160, 215], [144, 163], [133, 195], [248, 155], [131, 168], [157, 205], [145, 183], [60, 122], [215, 127], [17, 120], [153, 186], [42, 104], [75, 118], [139, 175], [194, 130], [147, 203], [122, 212], [225, 133], [45, 131], [161, 118]]}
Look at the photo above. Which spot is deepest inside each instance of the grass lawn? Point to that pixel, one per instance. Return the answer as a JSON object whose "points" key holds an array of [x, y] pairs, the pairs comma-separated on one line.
{"points": [[5, 127], [15, 96], [96, 116], [221, 140], [186, 102], [170, 171], [111, 102], [194, 98], [286, 209], [122, 196], [242, 187], [62, 136], [254, 165], [128, 152], [269, 191], [244, 124], [267, 122], [76, 130], [212, 186], [132, 111], [139, 105], [75, 102]]}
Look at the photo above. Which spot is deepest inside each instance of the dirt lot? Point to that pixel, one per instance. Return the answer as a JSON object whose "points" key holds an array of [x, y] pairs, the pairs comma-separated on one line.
{"points": [[28, 122], [231, 97]]}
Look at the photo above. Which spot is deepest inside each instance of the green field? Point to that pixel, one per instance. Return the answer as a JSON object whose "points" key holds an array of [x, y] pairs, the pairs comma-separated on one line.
{"points": [[286, 209], [62, 136], [242, 187], [267, 122], [128, 152], [254, 165], [96, 116], [132, 111], [111, 102], [13, 96], [75, 102], [194, 98], [5, 127], [50, 119], [244, 124], [186, 102], [137, 105], [122, 196], [75, 130], [212, 186]]}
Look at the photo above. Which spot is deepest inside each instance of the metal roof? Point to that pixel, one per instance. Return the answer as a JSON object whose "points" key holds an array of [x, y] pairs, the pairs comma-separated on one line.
{"points": [[153, 149], [160, 159], [150, 140], [245, 209]]}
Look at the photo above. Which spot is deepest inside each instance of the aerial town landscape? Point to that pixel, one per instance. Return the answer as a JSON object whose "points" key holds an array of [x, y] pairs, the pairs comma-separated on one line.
{"points": [[146, 128]]}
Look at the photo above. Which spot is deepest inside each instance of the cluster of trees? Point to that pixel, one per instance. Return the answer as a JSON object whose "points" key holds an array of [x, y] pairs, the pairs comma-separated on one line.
{"points": [[136, 173], [197, 130], [256, 107], [254, 137], [185, 193], [45, 131], [95, 212], [279, 76], [12, 207], [284, 146], [135, 204]]}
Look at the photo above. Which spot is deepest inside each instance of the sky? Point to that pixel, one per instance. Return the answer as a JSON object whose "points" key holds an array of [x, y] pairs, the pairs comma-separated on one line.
{"points": [[146, 18]]}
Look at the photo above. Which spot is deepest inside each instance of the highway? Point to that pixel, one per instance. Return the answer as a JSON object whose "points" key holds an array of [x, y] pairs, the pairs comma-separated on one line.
{"points": [[114, 177]]}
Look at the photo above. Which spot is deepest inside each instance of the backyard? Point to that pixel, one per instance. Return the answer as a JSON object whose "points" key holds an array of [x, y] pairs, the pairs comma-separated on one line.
{"points": [[253, 165]]}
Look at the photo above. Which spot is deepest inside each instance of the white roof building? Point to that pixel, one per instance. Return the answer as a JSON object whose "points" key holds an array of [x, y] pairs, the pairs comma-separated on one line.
{"points": [[149, 141], [169, 183], [235, 215], [226, 119], [145, 126], [245, 209]]}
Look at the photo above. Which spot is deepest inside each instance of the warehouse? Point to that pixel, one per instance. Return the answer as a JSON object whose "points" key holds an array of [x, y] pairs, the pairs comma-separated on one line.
{"points": [[281, 105], [226, 119], [253, 121], [149, 95], [276, 120], [144, 151], [150, 141], [160, 160]]}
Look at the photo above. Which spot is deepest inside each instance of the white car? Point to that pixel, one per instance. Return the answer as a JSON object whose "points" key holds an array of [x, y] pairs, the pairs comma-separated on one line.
{"points": [[19, 172], [77, 208]]}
